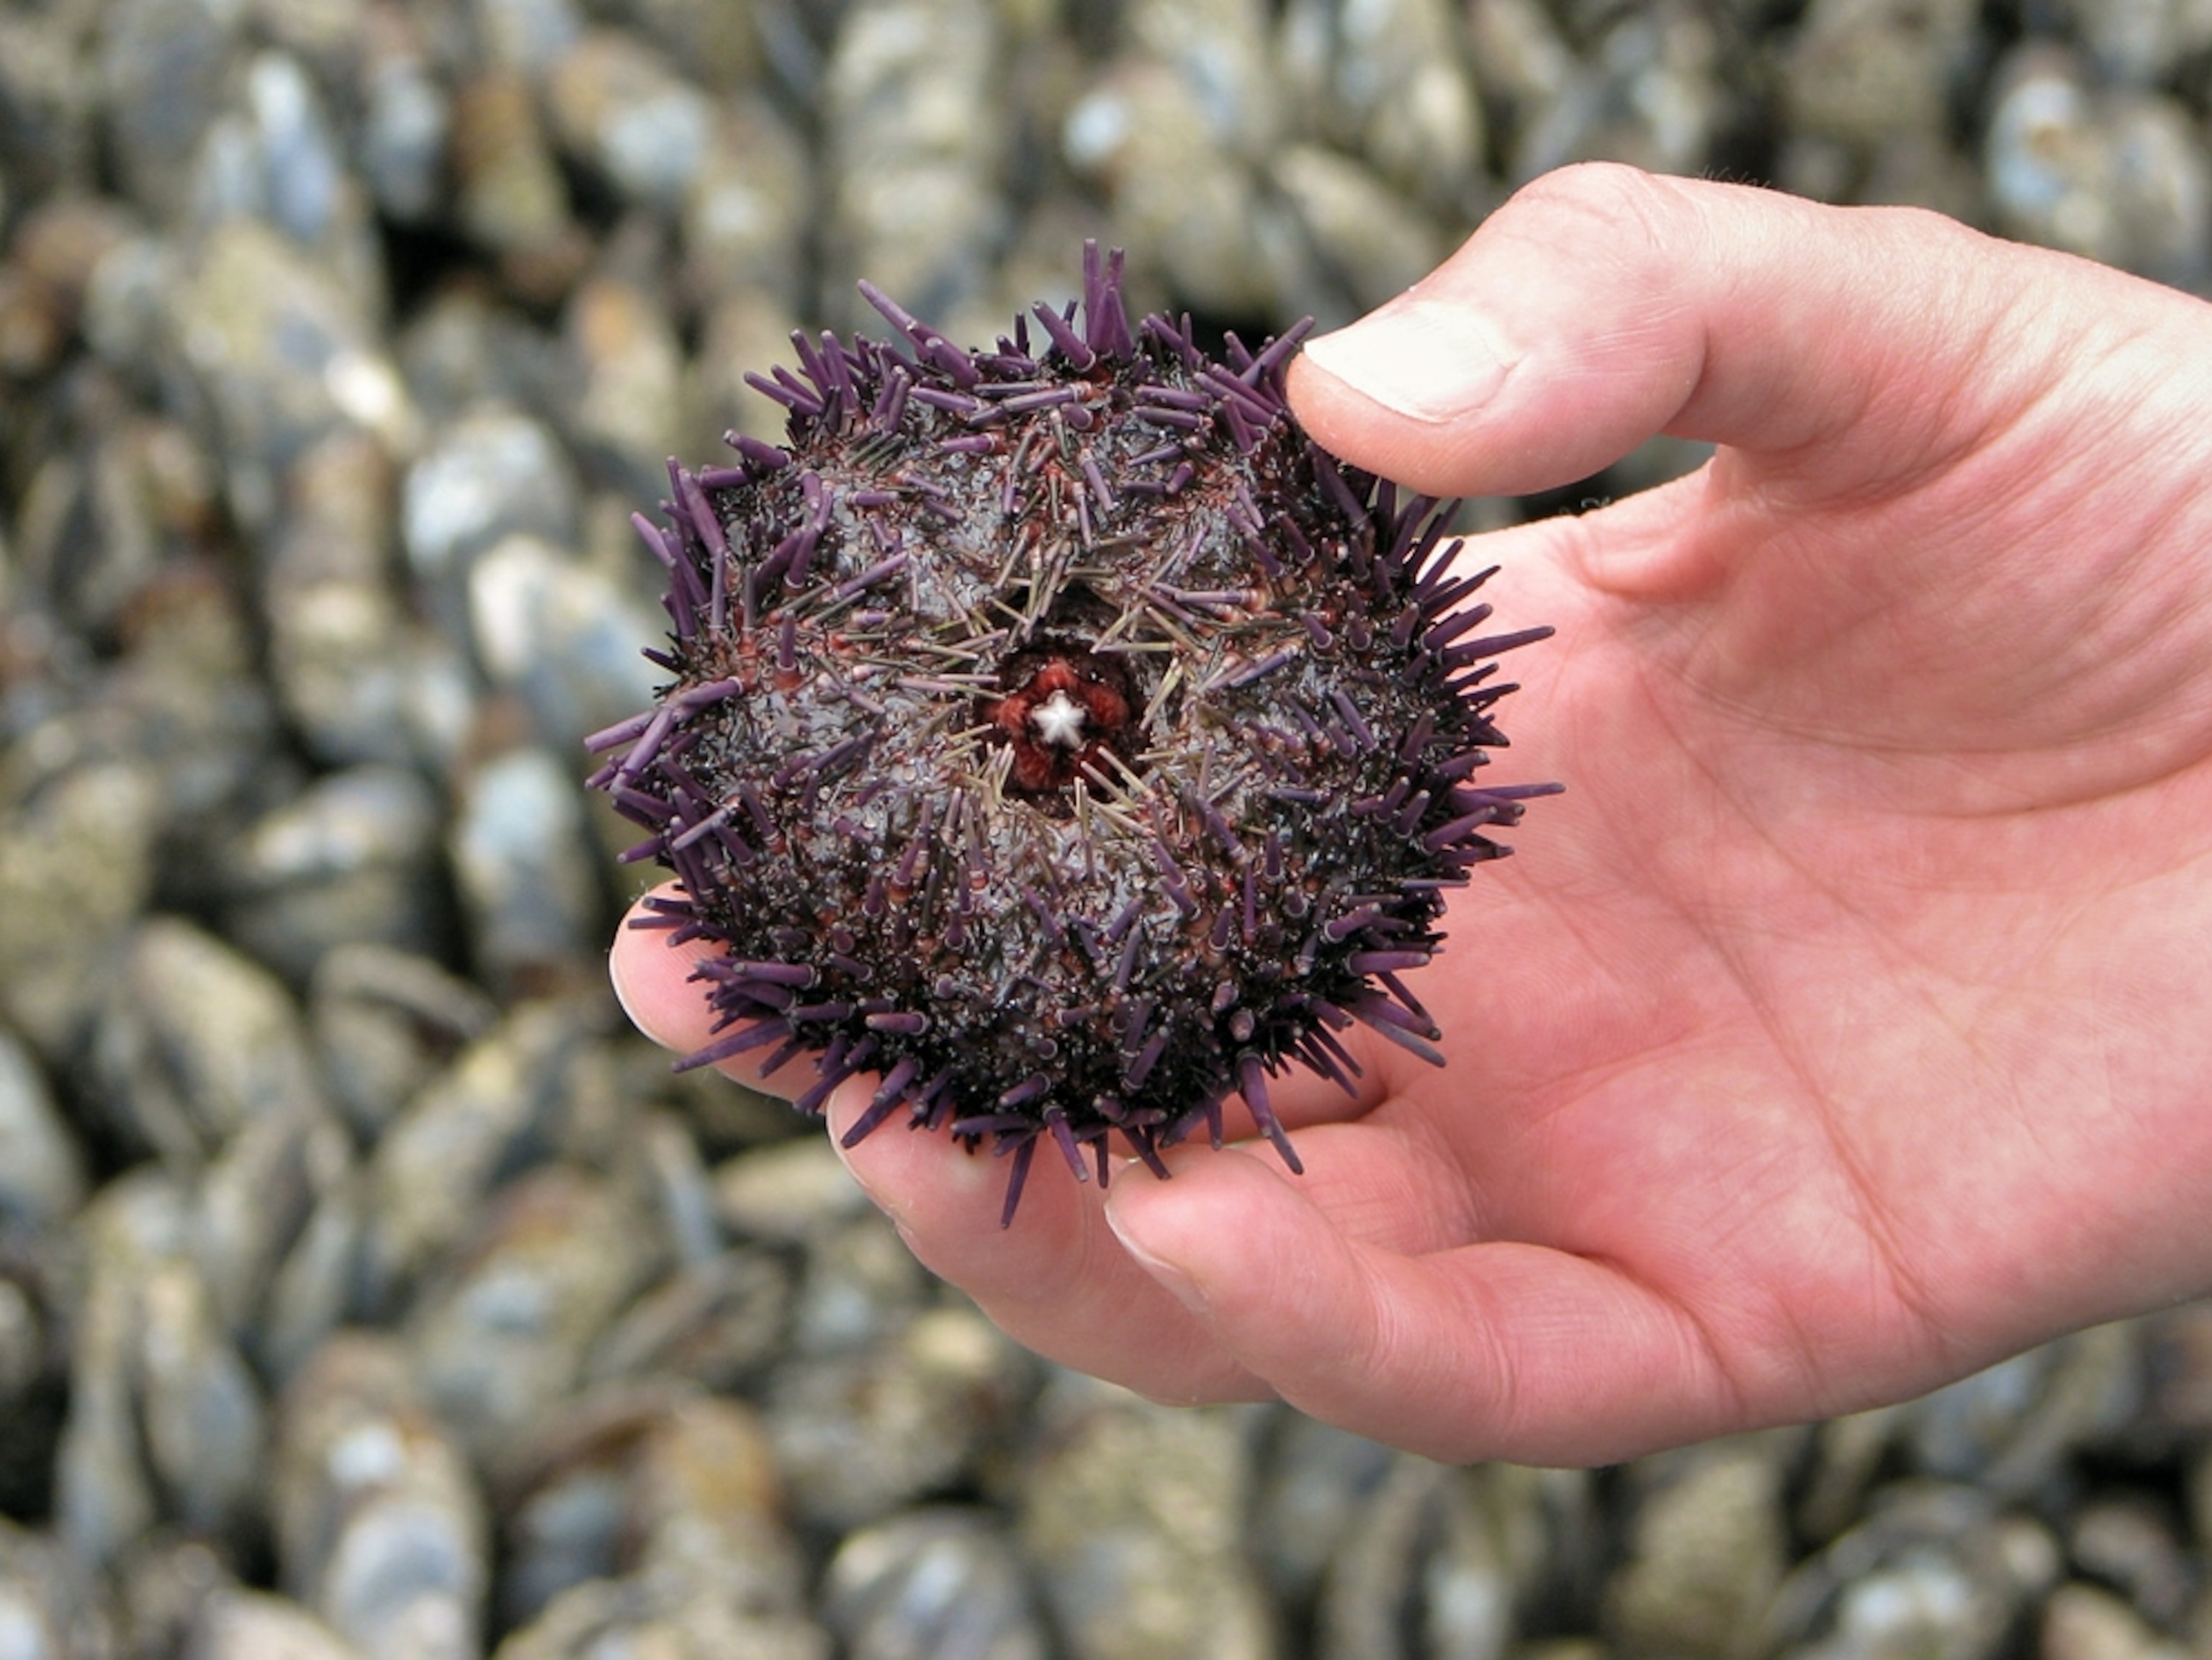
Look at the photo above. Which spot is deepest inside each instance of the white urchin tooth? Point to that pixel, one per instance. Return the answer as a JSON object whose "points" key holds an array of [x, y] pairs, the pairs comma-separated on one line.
{"points": [[1057, 721]]}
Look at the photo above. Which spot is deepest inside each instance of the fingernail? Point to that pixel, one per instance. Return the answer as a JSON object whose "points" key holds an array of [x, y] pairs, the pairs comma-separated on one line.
{"points": [[622, 996], [881, 1200], [1172, 1278], [1433, 361]]}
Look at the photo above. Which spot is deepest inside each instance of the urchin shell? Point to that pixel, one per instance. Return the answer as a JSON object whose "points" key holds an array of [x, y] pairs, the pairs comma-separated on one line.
{"points": [[1057, 733]]}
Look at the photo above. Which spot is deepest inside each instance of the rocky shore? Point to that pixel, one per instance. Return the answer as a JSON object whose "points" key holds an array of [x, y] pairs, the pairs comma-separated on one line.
{"points": [[366, 1288]]}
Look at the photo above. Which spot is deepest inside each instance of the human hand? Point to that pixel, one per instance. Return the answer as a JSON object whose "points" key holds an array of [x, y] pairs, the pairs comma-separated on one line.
{"points": [[1843, 1029]]}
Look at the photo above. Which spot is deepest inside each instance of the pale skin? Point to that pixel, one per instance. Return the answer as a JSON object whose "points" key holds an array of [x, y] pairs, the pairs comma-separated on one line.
{"points": [[1847, 1025]]}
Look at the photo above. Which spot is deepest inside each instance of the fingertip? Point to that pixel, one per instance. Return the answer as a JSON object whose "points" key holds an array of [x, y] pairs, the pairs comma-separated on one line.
{"points": [[1555, 339], [1055, 1278], [927, 1183], [1144, 1212], [652, 978], [1201, 1232], [1354, 427], [1385, 392]]}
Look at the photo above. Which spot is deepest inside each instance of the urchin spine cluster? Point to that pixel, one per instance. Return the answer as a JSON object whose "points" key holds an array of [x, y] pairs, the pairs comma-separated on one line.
{"points": [[1058, 734]]}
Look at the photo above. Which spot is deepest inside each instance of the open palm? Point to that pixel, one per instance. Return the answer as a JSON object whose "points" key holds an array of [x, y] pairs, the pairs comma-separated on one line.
{"points": [[1845, 1026]]}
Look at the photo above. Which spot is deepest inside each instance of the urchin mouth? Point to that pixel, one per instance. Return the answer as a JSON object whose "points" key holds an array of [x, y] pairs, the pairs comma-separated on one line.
{"points": [[1068, 714]]}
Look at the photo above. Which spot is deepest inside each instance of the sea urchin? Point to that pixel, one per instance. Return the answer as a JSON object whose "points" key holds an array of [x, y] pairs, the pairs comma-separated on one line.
{"points": [[1057, 733]]}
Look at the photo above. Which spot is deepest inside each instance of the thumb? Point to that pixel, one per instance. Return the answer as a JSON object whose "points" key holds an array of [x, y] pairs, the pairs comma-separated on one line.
{"points": [[1601, 305]]}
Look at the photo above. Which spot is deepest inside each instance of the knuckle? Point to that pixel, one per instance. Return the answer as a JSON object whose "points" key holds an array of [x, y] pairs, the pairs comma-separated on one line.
{"points": [[1603, 204]]}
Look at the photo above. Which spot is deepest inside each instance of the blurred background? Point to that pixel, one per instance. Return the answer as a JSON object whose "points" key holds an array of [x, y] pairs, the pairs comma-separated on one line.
{"points": [[365, 1288]]}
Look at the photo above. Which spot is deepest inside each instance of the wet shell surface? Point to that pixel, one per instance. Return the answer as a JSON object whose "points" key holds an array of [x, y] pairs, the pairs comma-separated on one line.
{"points": [[1057, 734]]}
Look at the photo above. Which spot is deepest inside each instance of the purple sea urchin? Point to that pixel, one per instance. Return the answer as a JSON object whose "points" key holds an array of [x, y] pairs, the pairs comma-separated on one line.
{"points": [[1057, 733]]}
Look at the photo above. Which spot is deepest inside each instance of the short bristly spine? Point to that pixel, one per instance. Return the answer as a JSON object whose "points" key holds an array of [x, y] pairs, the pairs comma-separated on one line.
{"points": [[1056, 734]]}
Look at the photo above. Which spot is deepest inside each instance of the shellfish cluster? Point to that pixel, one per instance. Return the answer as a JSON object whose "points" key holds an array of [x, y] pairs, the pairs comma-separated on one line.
{"points": [[367, 1287]]}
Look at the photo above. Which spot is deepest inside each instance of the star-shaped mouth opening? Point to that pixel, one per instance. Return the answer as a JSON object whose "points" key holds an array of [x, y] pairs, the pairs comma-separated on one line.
{"points": [[1067, 713]]}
